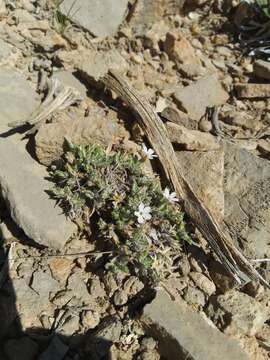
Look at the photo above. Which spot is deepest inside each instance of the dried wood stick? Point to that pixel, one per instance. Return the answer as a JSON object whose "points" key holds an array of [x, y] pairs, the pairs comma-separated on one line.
{"points": [[59, 97], [232, 258]]}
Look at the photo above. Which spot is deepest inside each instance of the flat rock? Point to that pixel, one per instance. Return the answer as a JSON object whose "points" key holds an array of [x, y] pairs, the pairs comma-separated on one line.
{"points": [[204, 172], [68, 79], [247, 200], [261, 69], [29, 204], [191, 139], [182, 332], [195, 98], [14, 86], [95, 64], [97, 128], [100, 17], [28, 201], [250, 91]]}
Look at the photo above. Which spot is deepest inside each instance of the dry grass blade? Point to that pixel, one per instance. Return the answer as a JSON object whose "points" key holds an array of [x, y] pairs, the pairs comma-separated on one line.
{"points": [[58, 98], [234, 261]]}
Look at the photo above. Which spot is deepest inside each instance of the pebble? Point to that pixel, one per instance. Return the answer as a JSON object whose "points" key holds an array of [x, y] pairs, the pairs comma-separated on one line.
{"points": [[205, 125], [120, 298]]}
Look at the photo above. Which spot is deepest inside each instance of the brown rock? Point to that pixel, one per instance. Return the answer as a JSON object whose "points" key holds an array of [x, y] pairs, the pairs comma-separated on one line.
{"points": [[179, 49], [191, 139], [195, 98], [60, 268], [178, 117], [252, 90], [96, 128], [205, 284]]}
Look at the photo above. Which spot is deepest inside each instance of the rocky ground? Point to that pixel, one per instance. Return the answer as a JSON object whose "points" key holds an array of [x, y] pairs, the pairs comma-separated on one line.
{"points": [[60, 302]]}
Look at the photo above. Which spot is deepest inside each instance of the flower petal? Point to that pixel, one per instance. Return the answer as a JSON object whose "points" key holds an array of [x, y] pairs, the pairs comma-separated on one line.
{"points": [[147, 216], [141, 220], [141, 207]]}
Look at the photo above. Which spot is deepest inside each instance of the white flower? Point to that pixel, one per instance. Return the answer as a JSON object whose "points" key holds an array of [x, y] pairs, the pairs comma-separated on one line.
{"points": [[150, 154], [143, 213], [170, 196]]}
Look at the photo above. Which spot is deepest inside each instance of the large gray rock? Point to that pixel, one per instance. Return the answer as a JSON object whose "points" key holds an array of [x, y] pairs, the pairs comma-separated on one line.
{"points": [[23, 181], [100, 17], [23, 186], [247, 200], [183, 333]]}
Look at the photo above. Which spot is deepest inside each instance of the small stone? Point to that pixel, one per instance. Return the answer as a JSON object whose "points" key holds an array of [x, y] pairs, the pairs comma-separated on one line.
{"points": [[71, 325], [120, 298], [179, 49], [191, 71], [110, 284], [242, 314], [205, 125], [191, 139], [252, 91], [148, 343], [205, 284], [44, 284], [195, 98], [175, 286], [132, 286], [96, 288], [26, 347], [99, 342], [78, 287], [60, 268], [261, 69], [194, 296], [5, 233], [184, 266], [90, 319]]}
